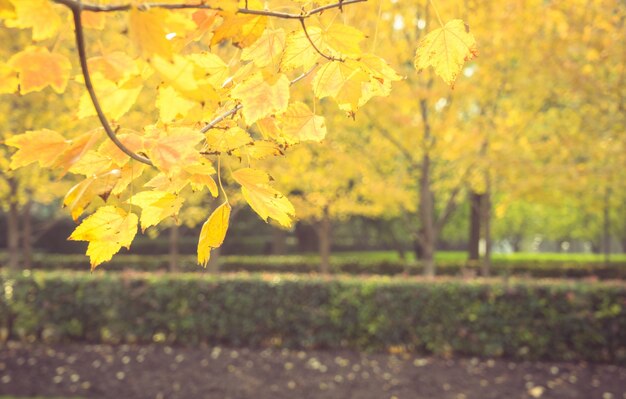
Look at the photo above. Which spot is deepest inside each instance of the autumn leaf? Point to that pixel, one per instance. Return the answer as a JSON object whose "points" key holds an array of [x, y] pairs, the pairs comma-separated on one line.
{"points": [[299, 53], [446, 49], [155, 206], [261, 97], [172, 148], [108, 230], [213, 232], [116, 100], [299, 123], [267, 50], [243, 30], [227, 140], [39, 15], [8, 80], [342, 81], [38, 68], [265, 200], [42, 146], [148, 32], [83, 193]]}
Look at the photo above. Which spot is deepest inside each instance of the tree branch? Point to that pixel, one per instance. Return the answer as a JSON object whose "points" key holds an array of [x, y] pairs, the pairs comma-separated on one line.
{"points": [[80, 44], [76, 4], [328, 57]]}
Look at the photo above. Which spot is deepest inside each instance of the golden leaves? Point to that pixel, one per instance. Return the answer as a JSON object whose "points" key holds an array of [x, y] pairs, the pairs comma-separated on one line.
{"points": [[108, 230], [42, 146], [265, 200], [170, 149], [261, 97], [8, 79], [446, 49], [40, 15], [267, 50], [299, 123], [155, 206], [213, 232], [148, 32], [38, 68]]}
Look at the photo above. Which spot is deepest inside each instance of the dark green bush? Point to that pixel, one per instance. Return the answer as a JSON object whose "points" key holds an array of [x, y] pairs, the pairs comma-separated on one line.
{"points": [[307, 264], [523, 319]]}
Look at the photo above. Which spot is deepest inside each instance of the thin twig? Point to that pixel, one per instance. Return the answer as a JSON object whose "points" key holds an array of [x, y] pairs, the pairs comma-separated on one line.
{"points": [[146, 6], [328, 57], [82, 55], [236, 108]]}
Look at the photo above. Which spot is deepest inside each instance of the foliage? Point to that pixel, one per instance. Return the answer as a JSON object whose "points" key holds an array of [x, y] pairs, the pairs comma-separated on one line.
{"points": [[355, 264], [524, 320], [221, 73]]}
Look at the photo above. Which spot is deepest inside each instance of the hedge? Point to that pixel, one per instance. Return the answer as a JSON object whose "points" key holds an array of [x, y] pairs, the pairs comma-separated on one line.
{"points": [[524, 319], [304, 264]]}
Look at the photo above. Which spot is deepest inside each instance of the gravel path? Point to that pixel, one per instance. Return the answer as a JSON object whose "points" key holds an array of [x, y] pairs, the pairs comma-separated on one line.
{"points": [[102, 371]]}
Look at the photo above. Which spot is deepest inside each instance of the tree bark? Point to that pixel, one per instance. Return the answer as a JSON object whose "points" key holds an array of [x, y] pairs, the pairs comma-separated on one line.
{"points": [[485, 265], [324, 234], [174, 248], [27, 235], [213, 266], [427, 200], [279, 241], [473, 250], [13, 227], [606, 233]]}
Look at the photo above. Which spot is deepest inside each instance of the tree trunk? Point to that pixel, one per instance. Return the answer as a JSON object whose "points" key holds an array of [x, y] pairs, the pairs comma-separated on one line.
{"points": [[174, 248], [13, 227], [27, 236], [324, 233], [473, 253], [279, 241], [427, 200], [486, 229], [213, 266], [606, 233]]}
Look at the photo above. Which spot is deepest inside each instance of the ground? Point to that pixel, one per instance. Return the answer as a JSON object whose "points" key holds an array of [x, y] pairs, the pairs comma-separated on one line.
{"points": [[158, 371]]}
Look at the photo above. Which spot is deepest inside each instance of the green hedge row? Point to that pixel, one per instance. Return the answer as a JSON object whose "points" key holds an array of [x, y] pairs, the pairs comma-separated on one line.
{"points": [[556, 320], [304, 264]]}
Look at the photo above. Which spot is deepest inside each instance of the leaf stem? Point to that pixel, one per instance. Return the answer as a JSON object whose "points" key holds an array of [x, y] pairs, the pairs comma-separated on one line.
{"points": [[432, 3], [82, 56], [219, 177]]}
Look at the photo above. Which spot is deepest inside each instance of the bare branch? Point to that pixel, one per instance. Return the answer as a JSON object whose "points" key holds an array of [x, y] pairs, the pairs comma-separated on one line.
{"points": [[236, 108], [80, 44], [328, 57], [77, 4]]}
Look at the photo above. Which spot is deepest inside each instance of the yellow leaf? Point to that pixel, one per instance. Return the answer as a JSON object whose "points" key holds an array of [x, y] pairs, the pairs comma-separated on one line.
{"points": [[226, 140], [75, 151], [174, 148], [91, 163], [266, 201], [115, 100], [8, 80], [300, 124], [267, 50], [37, 14], [131, 140], [128, 173], [148, 32], [258, 149], [446, 49], [343, 39], [42, 146], [260, 98], [39, 68], [343, 81], [199, 175], [155, 206], [213, 69], [7, 10], [108, 230], [213, 232], [172, 106], [114, 66], [83, 193], [298, 50], [242, 29], [93, 20], [178, 72]]}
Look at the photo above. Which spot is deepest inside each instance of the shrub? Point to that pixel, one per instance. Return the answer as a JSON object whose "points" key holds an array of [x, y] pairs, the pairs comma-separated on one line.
{"points": [[523, 319]]}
